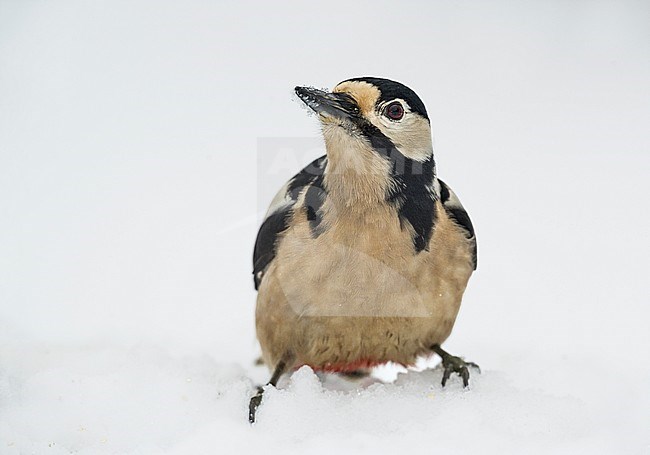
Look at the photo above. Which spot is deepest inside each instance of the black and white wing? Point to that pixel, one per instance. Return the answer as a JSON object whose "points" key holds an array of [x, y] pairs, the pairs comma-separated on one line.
{"points": [[279, 214], [457, 212]]}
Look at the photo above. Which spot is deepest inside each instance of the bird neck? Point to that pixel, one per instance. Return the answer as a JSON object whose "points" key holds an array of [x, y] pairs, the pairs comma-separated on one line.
{"points": [[358, 177]]}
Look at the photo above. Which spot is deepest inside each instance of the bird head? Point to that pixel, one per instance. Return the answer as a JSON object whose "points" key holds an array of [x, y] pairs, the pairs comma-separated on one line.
{"points": [[368, 113]]}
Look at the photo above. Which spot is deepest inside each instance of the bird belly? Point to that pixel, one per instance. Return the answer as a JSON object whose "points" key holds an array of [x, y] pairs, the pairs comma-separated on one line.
{"points": [[338, 305]]}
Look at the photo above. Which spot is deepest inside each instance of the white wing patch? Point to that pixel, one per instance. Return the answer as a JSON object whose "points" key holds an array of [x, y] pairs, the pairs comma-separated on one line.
{"points": [[281, 200], [453, 200]]}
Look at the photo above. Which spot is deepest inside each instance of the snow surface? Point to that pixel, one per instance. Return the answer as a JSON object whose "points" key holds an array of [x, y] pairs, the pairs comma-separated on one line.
{"points": [[130, 137]]}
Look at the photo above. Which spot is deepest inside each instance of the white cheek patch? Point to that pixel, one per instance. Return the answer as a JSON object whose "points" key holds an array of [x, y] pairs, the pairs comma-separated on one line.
{"points": [[411, 135]]}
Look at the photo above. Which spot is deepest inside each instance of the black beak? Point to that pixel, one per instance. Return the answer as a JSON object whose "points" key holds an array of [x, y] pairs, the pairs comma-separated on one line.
{"points": [[338, 105]]}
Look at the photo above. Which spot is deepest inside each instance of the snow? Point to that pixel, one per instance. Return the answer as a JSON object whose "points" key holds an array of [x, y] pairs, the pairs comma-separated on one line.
{"points": [[133, 176]]}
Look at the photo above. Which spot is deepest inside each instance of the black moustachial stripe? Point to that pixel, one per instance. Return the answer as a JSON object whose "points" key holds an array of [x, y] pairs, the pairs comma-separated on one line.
{"points": [[412, 182], [419, 206]]}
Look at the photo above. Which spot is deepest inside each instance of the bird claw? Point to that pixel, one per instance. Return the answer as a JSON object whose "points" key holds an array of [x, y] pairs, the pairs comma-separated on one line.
{"points": [[453, 364]]}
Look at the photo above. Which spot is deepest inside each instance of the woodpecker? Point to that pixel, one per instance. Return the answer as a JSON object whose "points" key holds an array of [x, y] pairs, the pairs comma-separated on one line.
{"points": [[364, 255]]}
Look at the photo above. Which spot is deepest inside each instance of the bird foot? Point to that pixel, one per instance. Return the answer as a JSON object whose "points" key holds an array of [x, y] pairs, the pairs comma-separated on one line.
{"points": [[452, 364], [257, 399], [254, 404]]}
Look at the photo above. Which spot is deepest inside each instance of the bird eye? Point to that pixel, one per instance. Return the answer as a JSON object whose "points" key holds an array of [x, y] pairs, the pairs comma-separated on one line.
{"points": [[394, 111]]}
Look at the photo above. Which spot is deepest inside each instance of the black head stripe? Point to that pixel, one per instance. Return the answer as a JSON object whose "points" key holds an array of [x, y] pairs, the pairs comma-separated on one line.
{"points": [[411, 183], [391, 90]]}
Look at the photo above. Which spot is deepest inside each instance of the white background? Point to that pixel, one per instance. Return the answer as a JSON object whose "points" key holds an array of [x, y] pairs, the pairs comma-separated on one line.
{"points": [[129, 208]]}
